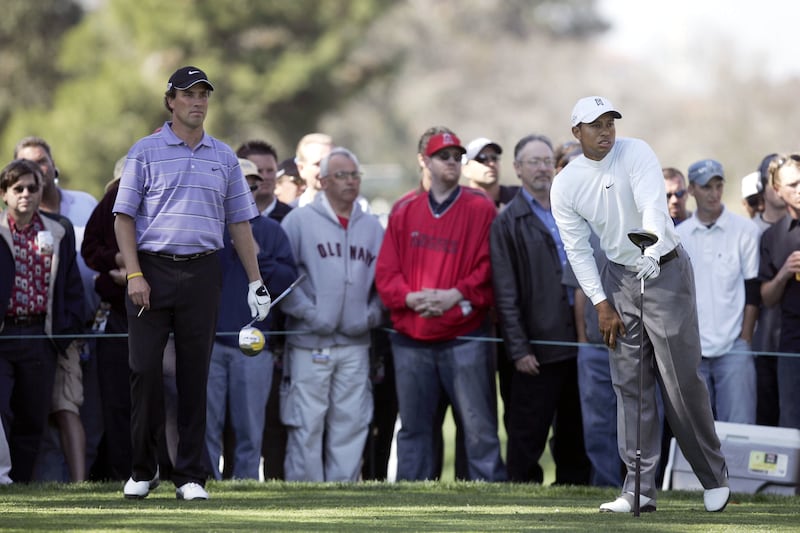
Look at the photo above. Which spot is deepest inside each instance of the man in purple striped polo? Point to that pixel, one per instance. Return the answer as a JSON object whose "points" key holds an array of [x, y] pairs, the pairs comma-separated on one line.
{"points": [[179, 189]]}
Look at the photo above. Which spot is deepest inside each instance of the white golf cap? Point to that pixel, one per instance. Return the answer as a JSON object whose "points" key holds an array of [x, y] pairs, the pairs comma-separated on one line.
{"points": [[751, 184], [589, 108], [476, 145]]}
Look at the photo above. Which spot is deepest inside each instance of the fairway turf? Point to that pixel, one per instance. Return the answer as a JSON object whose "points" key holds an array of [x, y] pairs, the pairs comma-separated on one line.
{"points": [[376, 507]]}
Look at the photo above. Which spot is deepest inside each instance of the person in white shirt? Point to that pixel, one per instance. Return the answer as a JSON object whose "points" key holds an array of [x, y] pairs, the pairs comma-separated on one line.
{"points": [[614, 187], [723, 248]]}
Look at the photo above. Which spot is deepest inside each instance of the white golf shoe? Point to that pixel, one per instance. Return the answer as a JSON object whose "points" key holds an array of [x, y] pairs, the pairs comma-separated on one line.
{"points": [[715, 500], [136, 490], [624, 504], [191, 491]]}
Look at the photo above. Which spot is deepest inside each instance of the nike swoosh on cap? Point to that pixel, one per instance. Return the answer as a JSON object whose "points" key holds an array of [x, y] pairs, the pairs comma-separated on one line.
{"points": [[193, 72]]}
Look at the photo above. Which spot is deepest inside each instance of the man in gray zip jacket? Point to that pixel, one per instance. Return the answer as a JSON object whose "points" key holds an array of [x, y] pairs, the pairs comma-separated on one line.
{"points": [[328, 394]]}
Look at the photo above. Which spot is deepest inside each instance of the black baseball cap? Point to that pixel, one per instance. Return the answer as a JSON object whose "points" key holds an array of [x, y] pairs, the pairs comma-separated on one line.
{"points": [[185, 77], [288, 167]]}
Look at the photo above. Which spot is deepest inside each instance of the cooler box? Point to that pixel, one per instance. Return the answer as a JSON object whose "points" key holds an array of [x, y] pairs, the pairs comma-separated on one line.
{"points": [[760, 459]]}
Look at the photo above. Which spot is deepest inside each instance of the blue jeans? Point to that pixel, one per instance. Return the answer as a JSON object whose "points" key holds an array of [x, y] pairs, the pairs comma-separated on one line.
{"points": [[731, 380], [599, 410], [244, 382], [465, 371]]}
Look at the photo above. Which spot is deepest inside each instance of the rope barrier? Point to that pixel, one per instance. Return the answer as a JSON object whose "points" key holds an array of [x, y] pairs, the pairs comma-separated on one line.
{"points": [[495, 340]]}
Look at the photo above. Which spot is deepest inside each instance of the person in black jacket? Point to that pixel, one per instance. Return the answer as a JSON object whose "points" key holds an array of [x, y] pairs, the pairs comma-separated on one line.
{"points": [[532, 305], [40, 295]]}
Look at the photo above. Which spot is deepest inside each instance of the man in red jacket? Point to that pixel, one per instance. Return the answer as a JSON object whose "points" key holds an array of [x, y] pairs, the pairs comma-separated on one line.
{"points": [[434, 275]]}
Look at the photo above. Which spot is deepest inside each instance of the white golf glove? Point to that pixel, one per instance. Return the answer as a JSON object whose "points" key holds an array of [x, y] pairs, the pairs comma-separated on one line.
{"points": [[648, 267], [258, 299]]}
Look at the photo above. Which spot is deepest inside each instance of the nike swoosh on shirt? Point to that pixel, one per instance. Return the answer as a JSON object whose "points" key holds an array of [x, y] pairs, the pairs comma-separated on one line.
{"points": [[609, 186]]}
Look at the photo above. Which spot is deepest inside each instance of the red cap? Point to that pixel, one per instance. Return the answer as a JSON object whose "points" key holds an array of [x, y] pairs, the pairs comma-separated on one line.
{"points": [[441, 141]]}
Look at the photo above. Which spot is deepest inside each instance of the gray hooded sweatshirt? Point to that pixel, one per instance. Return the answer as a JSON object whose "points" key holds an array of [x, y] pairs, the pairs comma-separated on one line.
{"points": [[337, 303]]}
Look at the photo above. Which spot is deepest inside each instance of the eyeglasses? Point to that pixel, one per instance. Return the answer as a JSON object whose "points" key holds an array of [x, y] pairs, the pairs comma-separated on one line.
{"points": [[33, 189], [447, 155], [754, 200], [342, 175], [539, 161], [485, 158], [677, 194]]}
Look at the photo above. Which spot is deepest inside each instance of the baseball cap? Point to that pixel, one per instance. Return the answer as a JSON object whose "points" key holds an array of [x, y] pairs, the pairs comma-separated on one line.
{"points": [[440, 141], [185, 77], [702, 171], [476, 145], [587, 109], [288, 167], [751, 184], [763, 169], [249, 168]]}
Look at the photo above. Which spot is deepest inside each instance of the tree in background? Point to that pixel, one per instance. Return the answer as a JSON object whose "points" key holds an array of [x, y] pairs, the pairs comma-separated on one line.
{"points": [[496, 68], [30, 36], [277, 66]]}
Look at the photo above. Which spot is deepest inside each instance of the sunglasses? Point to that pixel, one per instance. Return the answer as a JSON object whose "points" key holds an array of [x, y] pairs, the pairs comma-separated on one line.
{"points": [[754, 200], [33, 189], [253, 188], [783, 160], [485, 158], [677, 194], [448, 155]]}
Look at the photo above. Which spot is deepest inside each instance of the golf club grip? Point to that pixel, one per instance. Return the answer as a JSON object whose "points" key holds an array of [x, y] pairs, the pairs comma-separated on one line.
{"points": [[280, 297], [637, 493]]}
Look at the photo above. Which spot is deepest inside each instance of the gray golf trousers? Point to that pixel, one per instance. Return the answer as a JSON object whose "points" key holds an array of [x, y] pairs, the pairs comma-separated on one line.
{"points": [[671, 355]]}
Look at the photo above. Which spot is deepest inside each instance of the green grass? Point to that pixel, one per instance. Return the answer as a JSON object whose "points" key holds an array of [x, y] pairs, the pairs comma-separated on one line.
{"points": [[376, 507]]}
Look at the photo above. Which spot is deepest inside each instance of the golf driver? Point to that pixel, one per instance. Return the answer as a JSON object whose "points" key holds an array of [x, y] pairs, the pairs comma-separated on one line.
{"points": [[642, 239], [251, 340]]}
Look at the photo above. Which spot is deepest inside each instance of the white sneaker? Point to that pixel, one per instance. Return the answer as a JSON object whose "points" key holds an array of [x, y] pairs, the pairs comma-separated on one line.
{"points": [[191, 491], [715, 500], [137, 490], [624, 504]]}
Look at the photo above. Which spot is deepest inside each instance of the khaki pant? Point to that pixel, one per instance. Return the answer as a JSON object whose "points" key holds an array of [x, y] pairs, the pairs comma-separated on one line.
{"points": [[68, 384], [329, 396]]}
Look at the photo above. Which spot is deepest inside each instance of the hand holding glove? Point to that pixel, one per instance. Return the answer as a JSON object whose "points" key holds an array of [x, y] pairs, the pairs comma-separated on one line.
{"points": [[647, 267], [258, 299]]}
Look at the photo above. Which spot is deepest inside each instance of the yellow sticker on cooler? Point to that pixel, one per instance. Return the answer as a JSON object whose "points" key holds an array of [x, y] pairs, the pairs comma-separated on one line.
{"points": [[768, 463]]}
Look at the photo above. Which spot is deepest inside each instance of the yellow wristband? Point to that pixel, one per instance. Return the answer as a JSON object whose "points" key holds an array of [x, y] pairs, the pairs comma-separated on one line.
{"points": [[134, 275]]}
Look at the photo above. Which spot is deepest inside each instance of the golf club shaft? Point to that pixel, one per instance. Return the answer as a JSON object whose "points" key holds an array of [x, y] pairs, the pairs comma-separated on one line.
{"points": [[642, 239], [281, 296], [637, 485]]}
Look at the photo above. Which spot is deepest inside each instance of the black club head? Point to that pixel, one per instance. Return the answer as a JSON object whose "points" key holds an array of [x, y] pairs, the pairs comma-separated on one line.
{"points": [[642, 239]]}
